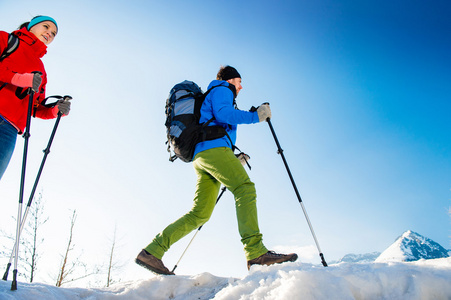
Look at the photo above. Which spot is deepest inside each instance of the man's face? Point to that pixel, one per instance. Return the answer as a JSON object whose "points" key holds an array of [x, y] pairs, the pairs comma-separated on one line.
{"points": [[237, 83]]}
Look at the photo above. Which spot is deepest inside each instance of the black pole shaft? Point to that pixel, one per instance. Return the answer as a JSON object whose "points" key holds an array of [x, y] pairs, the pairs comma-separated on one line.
{"points": [[30, 200], [280, 151], [22, 185], [46, 153], [198, 229]]}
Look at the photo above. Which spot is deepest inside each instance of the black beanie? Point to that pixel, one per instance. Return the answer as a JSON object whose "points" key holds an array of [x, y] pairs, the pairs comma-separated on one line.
{"points": [[227, 73]]}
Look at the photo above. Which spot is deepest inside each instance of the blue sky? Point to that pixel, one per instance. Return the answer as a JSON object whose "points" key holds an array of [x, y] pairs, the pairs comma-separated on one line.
{"points": [[360, 97]]}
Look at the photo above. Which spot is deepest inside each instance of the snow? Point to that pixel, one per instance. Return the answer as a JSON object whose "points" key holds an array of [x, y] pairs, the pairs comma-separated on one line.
{"points": [[393, 253], [424, 279]]}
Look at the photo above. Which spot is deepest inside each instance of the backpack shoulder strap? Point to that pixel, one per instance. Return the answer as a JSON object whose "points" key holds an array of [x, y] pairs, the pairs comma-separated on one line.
{"points": [[13, 43], [230, 87], [217, 131]]}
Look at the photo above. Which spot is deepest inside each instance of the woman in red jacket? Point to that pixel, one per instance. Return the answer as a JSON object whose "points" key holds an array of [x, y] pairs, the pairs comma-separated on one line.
{"points": [[21, 73]]}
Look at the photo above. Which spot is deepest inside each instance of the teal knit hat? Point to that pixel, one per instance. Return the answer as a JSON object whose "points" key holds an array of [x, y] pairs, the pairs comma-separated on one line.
{"points": [[40, 19]]}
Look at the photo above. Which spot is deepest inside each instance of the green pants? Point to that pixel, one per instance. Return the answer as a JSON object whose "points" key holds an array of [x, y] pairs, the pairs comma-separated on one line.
{"points": [[213, 167]]}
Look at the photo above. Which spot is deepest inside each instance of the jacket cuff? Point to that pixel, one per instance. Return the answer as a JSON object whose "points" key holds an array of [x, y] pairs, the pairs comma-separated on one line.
{"points": [[255, 117], [55, 111]]}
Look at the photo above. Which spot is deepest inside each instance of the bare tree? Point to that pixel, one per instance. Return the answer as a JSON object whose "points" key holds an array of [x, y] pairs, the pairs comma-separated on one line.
{"points": [[34, 241], [114, 264], [65, 270], [70, 267], [110, 263]]}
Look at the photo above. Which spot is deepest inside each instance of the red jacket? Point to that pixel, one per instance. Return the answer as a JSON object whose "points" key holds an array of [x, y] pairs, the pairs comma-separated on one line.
{"points": [[25, 59]]}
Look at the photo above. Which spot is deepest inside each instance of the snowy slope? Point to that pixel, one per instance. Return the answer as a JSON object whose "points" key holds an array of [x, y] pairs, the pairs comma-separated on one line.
{"points": [[411, 246], [425, 279]]}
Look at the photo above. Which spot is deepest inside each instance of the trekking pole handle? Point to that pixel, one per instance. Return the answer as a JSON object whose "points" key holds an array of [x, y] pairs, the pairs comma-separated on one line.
{"points": [[66, 99], [32, 87], [268, 118]]}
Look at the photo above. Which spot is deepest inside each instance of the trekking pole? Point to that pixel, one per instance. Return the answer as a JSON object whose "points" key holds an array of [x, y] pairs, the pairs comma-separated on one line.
{"points": [[280, 151], [22, 184], [30, 200], [175, 267]]}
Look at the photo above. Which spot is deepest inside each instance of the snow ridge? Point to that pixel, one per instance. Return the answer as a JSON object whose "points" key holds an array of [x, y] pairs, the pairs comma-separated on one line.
{"points": [[424, 279], [359, 258]]}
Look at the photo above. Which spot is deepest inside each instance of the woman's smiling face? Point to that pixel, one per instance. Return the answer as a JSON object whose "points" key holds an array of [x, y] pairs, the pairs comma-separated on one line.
{"points": [[45, 31]]}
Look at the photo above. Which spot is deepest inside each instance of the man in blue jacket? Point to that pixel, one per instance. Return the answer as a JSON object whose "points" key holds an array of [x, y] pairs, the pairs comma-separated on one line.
{"points": [[216, 164]]}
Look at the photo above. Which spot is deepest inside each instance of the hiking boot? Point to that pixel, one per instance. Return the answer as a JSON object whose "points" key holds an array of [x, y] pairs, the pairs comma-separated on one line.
{"points": [[150, 262], [270, 258]]}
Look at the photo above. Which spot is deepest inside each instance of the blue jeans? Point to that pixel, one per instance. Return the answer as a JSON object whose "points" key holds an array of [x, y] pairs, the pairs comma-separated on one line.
{"points": [[8, 137]]}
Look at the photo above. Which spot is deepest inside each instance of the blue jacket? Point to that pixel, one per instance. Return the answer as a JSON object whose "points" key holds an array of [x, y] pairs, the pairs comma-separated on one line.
{"points": [[219, 104]]}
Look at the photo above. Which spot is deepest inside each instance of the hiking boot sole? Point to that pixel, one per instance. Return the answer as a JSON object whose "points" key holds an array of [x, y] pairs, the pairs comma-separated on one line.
{"points": [[293, 258], [152, 269]]}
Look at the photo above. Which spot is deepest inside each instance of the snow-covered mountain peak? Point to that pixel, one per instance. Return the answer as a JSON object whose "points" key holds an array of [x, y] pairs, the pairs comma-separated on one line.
{"points": [[411, 246]]}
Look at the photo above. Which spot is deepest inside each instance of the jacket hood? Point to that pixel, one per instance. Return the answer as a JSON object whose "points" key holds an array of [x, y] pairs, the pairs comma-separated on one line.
{"points": [[29, 38], [218, 82], [225, 84]]}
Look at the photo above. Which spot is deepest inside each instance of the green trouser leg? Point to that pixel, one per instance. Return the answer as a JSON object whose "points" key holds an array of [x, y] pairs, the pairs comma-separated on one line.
{"points": [[213, 167], [204, 202]]}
